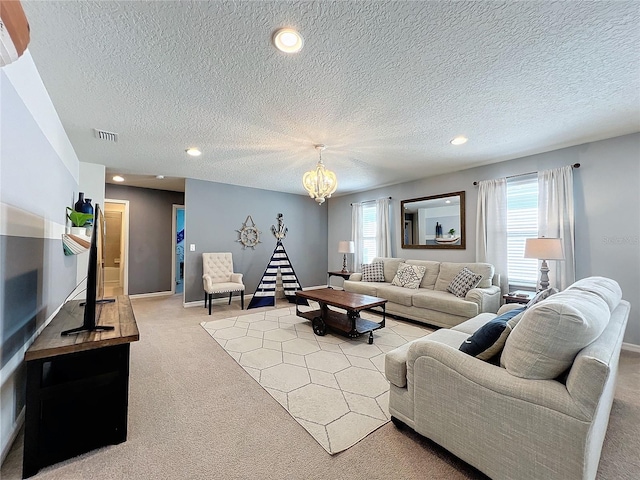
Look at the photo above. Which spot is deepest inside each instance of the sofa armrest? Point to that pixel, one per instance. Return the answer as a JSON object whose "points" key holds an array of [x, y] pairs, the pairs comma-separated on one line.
{"points": [[236, 277], [429, 361], [355, 277], [487, 299]]}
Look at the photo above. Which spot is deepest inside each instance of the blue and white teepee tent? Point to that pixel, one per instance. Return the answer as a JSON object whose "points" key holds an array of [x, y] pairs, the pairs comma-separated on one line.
{"points": [[265, 294]]}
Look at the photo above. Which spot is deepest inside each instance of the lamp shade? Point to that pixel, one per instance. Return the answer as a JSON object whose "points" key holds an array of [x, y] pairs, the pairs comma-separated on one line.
{"points": [[544, 248], [346, 246]]}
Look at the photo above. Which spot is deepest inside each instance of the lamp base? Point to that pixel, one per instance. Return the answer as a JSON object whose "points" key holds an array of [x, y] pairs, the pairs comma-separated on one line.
{"points": [[544, 277], [344, 263]]}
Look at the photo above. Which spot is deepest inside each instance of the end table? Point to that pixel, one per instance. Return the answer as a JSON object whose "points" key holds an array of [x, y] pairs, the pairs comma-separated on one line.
{"points": [[339, 273], [518, 296]]}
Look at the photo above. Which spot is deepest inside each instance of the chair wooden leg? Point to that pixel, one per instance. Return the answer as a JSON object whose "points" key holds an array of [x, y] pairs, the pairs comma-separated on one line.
{"points": [[205, 299], [230, 293], [241, 299], [210, 295]]}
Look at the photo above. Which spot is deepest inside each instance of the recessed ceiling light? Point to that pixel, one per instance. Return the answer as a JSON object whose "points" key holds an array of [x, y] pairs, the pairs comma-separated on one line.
{"points": [[194, 152], [288, 40], [118, 178], [447, 201], [459, 140], [159, 177]]}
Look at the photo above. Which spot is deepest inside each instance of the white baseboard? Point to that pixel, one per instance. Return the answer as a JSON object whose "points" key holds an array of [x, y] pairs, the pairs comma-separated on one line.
{"points": [[14, 433], [631, 347], [154, 294]]}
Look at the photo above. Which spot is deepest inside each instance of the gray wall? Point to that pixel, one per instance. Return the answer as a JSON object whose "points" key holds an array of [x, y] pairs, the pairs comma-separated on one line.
{"points": [[36, 186], [215, 211], [150, 236], [607, 208]]}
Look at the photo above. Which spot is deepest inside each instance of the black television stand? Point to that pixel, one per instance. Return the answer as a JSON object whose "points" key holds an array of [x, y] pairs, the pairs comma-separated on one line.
{"points": [[77, 387]]}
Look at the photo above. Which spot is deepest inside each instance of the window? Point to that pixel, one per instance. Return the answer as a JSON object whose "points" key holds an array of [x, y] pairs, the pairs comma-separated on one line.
{"points": [[522, 223], [369, 227]]}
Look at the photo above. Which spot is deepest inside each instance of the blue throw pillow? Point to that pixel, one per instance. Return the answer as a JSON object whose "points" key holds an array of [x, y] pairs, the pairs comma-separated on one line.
{"points": [[489, 339]]}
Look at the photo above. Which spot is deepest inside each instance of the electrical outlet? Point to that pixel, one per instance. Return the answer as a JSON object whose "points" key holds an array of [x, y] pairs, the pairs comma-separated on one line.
{"points": [[192, 247]]}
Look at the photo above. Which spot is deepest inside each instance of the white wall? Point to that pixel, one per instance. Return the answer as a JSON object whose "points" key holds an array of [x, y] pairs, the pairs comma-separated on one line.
{"points": [[38, 179], [92, 179]]}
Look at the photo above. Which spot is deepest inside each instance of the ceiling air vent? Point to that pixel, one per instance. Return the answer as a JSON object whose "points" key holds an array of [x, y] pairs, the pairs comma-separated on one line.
{"points": [[104, 135]]}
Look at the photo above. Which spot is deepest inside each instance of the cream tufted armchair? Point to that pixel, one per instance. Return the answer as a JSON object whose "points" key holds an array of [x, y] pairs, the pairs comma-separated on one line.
{"points": [[218, 277]]}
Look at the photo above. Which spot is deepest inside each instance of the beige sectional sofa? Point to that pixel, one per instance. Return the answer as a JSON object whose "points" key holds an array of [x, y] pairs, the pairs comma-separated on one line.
{"points": [[431, 303], [518, 418]]}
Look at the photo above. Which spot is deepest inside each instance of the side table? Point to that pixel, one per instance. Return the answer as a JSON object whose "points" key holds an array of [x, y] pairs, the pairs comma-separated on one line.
{"points": [[518, 296], [339, 273]]}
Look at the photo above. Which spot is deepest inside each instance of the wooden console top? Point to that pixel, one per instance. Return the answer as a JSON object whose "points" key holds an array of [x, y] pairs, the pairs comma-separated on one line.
{"points": [[118, 314]]}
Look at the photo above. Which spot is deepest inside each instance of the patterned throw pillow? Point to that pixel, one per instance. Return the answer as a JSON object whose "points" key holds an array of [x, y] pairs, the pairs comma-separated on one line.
{"points": [[408, 276], [541, 295], [373, 272], [489, 339], [464, 281]]}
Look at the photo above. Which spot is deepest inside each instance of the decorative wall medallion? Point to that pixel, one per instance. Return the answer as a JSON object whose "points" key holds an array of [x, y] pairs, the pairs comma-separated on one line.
{"points": [[249, 234]]}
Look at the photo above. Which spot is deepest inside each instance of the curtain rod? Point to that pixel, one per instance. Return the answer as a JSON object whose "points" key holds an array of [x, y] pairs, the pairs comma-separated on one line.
{"points": [[575, 165], [369, 201]]}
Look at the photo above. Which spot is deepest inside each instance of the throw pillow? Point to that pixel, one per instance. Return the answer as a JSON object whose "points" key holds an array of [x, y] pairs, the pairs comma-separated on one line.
{"points": [[541, 295], [464, 281], [489, 339], [408, 276], [373, 272]]}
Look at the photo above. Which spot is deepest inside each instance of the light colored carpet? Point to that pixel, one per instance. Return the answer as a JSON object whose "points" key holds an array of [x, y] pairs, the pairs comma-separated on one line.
{"points": [[194, 414], [332, 385]]}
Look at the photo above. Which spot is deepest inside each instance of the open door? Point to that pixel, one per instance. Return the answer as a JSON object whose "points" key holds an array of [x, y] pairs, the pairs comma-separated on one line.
{"points": [[177, 270], [116, 267]]}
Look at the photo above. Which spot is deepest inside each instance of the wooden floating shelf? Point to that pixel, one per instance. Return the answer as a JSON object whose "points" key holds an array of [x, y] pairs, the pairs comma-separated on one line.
{"points": [[75, 244]]}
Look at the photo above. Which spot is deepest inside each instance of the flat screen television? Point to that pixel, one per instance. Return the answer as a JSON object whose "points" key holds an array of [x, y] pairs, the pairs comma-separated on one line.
{"points": [[95, 279]]}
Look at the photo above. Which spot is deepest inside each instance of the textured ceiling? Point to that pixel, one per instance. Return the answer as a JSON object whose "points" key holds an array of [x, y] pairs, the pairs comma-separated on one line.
{"points": [[385, 85]]}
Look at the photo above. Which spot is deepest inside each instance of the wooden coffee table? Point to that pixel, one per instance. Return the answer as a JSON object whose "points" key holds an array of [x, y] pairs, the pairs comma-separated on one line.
{"points": [[349, 323]]}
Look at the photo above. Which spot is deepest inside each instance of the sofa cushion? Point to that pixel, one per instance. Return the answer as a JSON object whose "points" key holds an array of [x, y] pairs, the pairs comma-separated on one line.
{"points": [[365, 288], [464, 281], [399, 295], [489, 339], [444, 302], [408, 276], [605, 288], [373, 272], [473, 324], [431, 272], [449, 270], [552, 332], [390, 266]]}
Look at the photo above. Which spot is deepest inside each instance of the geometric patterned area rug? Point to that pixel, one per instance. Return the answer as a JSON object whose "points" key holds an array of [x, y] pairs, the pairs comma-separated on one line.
{"points": [[331, 385]]}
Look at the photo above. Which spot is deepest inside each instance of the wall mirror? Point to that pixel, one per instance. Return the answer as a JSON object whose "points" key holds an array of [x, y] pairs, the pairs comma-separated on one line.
{"points": [[436, 221]]}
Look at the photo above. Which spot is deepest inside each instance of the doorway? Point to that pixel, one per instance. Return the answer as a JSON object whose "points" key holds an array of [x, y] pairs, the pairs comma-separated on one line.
{"points": [[116, 262], [177, 269]]}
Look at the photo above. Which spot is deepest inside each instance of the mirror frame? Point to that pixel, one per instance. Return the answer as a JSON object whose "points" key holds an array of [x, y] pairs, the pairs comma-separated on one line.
{"points": [[463, 237]]}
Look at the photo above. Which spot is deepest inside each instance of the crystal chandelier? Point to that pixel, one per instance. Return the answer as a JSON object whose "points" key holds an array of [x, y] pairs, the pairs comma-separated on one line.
{"points": [[320, 183]]}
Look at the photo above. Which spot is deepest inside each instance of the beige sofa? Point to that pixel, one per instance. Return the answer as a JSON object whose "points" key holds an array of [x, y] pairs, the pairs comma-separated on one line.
{"points": [[519, 419], [431, 303]]}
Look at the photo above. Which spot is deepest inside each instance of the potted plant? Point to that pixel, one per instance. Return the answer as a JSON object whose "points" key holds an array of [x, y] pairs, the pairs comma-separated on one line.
{"points": [[78, 220], [452, 232]]}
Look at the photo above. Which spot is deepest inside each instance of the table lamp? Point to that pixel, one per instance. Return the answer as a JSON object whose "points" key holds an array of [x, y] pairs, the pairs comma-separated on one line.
{"points": [[344, 247], [544, 249]]}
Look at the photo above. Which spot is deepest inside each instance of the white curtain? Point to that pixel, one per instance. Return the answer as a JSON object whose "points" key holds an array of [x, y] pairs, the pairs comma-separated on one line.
{"points": [[383, 232], [356, 234], [556, 220], [491, 228]]}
